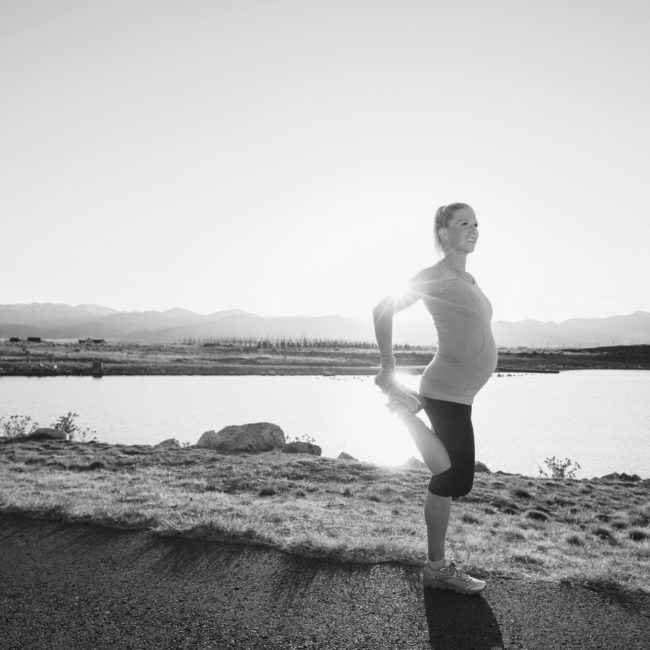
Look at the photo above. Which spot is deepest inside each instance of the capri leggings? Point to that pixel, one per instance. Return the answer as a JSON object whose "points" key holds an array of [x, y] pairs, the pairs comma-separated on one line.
{"points": [[452, 423]]}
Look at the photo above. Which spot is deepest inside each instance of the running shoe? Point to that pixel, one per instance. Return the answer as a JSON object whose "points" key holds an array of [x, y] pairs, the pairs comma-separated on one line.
{"points": [[450, 577], [399, 397]]}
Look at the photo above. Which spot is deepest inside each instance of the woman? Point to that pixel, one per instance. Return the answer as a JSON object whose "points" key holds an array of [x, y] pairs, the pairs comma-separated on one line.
{"points": [[464, 361]]}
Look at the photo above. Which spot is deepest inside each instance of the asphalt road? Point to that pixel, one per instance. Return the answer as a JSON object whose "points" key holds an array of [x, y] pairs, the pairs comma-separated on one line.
{"points": [[77, 586]]}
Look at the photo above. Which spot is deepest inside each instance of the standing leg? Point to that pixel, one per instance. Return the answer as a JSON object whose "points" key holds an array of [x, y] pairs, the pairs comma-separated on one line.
{"points": [[453, 424], [436, 517]]}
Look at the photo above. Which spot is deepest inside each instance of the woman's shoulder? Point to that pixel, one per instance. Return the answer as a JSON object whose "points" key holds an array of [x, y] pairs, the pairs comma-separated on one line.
{"points": [[433, 279], [433, 273]]}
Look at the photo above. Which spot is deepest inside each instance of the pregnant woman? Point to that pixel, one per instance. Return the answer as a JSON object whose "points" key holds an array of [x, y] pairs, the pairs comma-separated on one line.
{"points": [[465, 359]]}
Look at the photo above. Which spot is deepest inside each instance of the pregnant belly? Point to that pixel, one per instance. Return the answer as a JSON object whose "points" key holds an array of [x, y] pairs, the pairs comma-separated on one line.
{"points": [[467, 365], [462, 349]]}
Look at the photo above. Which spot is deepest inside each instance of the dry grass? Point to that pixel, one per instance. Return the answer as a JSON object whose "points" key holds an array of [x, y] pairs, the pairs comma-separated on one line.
{"points": [[593, 531]]}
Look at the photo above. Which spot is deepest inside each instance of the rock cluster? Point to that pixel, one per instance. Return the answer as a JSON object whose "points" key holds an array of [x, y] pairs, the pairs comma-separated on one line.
{"points": [[254, 438]]}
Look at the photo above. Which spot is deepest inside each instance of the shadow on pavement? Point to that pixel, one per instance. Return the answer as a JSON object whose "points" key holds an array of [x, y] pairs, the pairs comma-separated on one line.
{"points": [[458, 621]]}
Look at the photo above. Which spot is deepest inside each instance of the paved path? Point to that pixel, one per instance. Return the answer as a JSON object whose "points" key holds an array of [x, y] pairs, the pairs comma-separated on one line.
{"points": [[76, 586]]}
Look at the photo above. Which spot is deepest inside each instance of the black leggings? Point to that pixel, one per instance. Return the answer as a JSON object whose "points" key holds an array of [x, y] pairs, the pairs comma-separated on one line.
{"points": [[452, 423]]}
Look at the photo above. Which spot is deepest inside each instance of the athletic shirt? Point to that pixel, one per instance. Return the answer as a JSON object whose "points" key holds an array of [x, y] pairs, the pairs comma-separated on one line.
{"points": [[467, 355]]}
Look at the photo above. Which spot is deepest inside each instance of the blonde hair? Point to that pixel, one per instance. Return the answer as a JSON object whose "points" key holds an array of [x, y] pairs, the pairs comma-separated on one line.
{"points": [[444, 215]]}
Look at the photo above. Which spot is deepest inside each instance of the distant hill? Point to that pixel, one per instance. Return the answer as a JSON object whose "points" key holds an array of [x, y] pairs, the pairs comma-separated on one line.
{"points": [[57, 321]]}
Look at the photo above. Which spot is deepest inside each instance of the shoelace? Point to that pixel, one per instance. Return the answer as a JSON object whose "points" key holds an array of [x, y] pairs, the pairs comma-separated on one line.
{"points": [[452, 571]]}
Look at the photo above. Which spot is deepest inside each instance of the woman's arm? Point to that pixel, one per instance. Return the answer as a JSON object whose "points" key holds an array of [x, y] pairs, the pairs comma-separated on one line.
{"points": [[383, 319]]}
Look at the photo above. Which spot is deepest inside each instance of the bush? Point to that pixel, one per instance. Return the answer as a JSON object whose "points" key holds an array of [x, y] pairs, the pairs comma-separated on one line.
{"points": [[17, 425], [559, 468], [301, 438], [638, 535], [67, 424]]}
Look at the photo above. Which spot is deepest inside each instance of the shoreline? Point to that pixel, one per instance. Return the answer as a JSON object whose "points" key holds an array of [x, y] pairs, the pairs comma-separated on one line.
{"points": [[54, 359]]}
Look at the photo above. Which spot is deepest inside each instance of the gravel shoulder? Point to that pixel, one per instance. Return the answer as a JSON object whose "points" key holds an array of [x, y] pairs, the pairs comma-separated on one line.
{"points": [[84, 586]]}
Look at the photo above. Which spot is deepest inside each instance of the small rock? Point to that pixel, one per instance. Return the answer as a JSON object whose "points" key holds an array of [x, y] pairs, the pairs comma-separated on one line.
{"points": [[344, 456], [481, 467], [414, 463], [622, 477], [300, 447], [48, 433], [170, 443]]}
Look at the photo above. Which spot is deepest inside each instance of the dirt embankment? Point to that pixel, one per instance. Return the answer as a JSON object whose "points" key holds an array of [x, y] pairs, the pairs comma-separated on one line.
{"points": [[55, 358]]}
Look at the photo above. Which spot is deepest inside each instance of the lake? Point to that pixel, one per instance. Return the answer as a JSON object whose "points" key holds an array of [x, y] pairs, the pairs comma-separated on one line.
{"points": [[599, 418]]}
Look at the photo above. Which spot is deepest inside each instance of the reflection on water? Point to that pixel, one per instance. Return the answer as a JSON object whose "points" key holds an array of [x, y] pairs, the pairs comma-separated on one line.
{"points": [[600, 419]]}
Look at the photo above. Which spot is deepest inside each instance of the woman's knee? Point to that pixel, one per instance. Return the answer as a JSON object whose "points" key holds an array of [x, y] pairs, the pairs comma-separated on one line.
{"points": [[452, 483], [464, 485]]}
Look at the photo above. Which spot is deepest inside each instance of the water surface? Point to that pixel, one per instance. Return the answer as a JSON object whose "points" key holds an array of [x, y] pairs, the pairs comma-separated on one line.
{"points": [[599, 418]]}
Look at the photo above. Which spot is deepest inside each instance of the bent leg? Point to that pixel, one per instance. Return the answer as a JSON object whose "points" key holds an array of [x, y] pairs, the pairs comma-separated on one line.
{"points": [[433, 452], [452, 423]]}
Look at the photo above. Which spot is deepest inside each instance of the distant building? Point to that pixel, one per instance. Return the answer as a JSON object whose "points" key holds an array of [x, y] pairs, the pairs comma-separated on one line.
{"points": [[14, 339], [33, 339], [97, 368]]}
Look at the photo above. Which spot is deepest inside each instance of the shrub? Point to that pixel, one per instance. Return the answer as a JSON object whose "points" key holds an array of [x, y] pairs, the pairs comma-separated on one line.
{"points": [[559, 468], [536, 515], [638, 535], [605, 534], [469, 519], [67, 424], [17, 425], [301, 438]]}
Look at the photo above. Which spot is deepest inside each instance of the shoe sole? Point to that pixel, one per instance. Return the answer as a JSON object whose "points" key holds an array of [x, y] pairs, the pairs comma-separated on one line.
{"points": [[397, 401], [397, 406], [444, 586]]}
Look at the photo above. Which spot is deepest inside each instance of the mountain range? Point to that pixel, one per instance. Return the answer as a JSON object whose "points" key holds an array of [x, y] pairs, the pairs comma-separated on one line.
{"points": [[60, 321]]}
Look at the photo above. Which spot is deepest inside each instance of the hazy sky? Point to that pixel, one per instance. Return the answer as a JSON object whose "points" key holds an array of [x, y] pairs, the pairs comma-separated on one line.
{"points": [[287, 156]]}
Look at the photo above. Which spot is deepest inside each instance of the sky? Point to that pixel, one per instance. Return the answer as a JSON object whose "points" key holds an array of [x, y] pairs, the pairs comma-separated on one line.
{"points": [[287, 157]]}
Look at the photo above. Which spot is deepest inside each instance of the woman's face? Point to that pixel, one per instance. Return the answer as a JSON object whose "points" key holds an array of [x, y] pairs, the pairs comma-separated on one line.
{"points": [[462, 232]]}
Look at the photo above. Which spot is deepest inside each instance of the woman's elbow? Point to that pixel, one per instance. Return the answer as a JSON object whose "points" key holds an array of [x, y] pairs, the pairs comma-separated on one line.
{"points": [[382, 310]]}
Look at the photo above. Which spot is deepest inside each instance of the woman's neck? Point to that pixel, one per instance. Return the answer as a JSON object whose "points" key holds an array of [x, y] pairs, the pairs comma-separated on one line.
{"points": [[457, 261]]}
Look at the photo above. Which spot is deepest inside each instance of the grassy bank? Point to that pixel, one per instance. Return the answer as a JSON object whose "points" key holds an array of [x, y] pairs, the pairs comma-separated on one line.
{"points": [[594, 531]]}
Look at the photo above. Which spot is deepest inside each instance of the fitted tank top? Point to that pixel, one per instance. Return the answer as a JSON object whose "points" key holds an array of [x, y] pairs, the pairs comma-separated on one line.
{"points": [[466, 356]]}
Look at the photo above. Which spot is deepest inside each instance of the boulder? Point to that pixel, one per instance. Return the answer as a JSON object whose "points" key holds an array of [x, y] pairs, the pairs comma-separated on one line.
{"points": [[254, 438], [344, 456], [48, 433], [170, 443], [481, 467], [300, 447]]}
